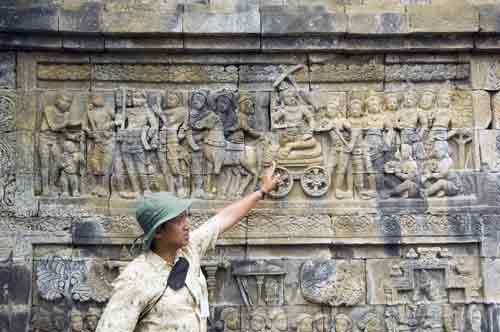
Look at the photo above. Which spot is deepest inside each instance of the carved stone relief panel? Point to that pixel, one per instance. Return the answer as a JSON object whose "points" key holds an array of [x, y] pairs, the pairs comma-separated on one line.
{"points": [[425, 274]]}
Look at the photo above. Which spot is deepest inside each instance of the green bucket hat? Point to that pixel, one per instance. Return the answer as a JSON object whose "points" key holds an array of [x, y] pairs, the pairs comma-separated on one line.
{"points": [[155, 210]]}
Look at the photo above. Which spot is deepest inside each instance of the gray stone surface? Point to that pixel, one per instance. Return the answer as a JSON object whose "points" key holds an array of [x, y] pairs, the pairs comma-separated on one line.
{"points": [[383, 118]]}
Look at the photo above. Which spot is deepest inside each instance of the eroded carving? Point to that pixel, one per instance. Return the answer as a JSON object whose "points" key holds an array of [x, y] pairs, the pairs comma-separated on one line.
{"points": [[333, 282]]}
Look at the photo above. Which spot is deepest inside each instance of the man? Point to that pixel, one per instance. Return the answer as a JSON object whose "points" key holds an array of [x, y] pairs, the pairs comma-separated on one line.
{"points": [[164, 289]]}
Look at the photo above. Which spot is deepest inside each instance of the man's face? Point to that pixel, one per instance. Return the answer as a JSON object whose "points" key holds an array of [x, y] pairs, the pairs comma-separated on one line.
{"points": [[197, 101], [139, 100], [372, 326], [76, 323], [247, 107], [341, 325], [356, 109], [63, 103], [391, 103], [410, 100], [223, 104], [172, 100], [174, 232], [373, 106], [427, 100], [98, 101], [257, 323]]}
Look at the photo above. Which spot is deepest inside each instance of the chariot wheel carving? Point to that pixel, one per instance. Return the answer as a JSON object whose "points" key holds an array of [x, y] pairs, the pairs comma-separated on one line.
{"points": [[315, 181], [286, 184]]}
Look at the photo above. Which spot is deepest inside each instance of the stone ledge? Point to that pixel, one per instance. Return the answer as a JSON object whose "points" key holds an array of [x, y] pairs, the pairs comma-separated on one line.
{"points": [[125, 17]]}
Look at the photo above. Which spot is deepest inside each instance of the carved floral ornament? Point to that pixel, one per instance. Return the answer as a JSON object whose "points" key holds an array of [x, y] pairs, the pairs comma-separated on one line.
{"points": [[214, 144]]}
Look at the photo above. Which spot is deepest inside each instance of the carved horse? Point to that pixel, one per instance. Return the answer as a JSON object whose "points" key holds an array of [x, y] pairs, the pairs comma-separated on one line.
{"points": [[245, 161]]}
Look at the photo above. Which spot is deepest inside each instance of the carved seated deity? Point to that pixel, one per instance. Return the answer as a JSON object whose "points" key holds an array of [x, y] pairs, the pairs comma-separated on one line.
{"points": [[439, 178], [295, 123], [406, 170]]}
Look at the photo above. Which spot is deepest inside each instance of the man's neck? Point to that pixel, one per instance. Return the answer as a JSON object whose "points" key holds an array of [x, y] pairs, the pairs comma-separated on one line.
{"points": [[168, 254]]}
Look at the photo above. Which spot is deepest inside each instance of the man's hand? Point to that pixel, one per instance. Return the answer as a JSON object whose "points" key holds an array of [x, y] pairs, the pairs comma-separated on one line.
{"points": [[269, 180]]}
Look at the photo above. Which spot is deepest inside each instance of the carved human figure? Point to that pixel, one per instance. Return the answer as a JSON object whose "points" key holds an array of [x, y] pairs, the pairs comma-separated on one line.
{"points": [[453, 318], [442, 119], [343, 323], [426, 289], [92, 319], [225, 108], [406, 170], [76, 321], [54, 125], [476, 319], [375, 132], [71, 163], [279, 320], [258, 320], [426, 106], [320, 322], [135, 139], [391, 108], [439, 178], [411, 125], [99, 126], [391, 319], [304, 323], [369, 323], [296, 121], [353, 155], [173, 157], [272, 291], [244, 128], [201, 169], [231, 318]]}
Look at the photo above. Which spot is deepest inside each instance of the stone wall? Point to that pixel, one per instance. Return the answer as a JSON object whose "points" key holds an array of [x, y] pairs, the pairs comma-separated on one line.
{"points": [[383, 117]]}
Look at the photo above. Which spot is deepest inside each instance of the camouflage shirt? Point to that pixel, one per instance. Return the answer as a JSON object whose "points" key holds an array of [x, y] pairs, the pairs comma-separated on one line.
{"points": [[144, 279]]}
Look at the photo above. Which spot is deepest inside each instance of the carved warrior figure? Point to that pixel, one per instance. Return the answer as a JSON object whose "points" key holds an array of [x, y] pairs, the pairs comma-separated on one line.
{"points": [[353, 155], [135, 136], [99, 126], [69, 167], [54, 128], [174, 159], [201, 169], [411, 125], [377, 125]]}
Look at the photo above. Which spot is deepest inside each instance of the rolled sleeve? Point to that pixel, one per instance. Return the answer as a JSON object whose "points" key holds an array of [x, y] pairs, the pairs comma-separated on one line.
{"points": [[123, 309], [205, 237]]}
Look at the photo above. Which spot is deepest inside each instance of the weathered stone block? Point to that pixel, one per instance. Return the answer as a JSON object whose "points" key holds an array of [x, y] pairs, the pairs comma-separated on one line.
{"points": [[489, 18], [34, 19], [7, 70], [211, 44], [451, 17], [220, 22], [377, 20], [147, 16], [78, 18], [302, 20]]}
